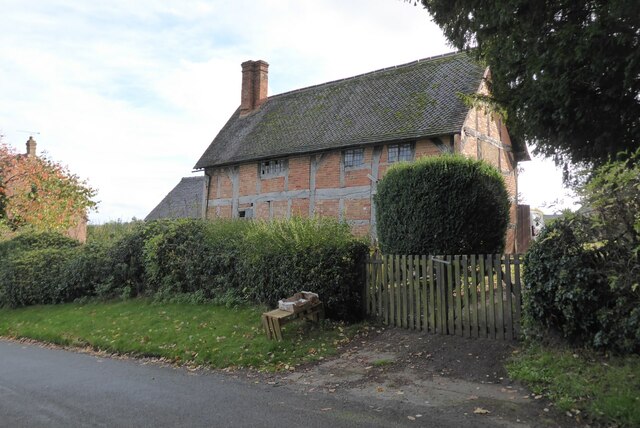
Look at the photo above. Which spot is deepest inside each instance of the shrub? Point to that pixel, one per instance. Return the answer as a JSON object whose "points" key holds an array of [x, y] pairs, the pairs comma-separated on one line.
{"points": [[193, 260], [194, 256], [583, 272], [442, 205], [282, 257], [127, 262], [85, 272], [30, 240], [34, 277], [564, 285]]}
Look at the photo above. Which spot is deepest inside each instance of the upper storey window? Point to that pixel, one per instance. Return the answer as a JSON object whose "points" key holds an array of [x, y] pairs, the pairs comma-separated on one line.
{"points": [[400, 152], [272, 168], [353, 158]]}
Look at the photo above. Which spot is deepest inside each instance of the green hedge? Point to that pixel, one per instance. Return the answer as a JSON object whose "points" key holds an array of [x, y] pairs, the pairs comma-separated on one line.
{"points": [[33, 277], [442, 205], [221, 261], [321, 256], [583, 271], [565, 286]]}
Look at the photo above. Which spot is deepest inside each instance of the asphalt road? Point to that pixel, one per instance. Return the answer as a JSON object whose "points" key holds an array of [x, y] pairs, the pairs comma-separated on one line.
{"points": [[58, 388]]}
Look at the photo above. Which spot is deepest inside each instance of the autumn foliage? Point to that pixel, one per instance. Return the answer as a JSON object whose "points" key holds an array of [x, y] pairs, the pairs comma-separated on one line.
{"points": [[39, 193]]}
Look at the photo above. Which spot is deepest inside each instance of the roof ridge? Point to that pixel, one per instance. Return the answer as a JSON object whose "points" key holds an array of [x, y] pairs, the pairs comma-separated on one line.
{"points": [[357, 76]]}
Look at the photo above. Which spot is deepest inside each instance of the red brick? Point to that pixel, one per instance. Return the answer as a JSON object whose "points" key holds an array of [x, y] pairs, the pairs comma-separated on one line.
{"points": [[357, 209]]}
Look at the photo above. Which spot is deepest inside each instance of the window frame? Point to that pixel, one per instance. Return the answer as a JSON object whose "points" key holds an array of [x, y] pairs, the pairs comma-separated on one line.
{"points": [[355, 154], [399, 148], [273, 168]]}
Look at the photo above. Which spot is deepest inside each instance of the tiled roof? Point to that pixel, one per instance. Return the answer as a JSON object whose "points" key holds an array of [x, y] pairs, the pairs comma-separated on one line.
{"points": [[184, 201], [419, 99]]}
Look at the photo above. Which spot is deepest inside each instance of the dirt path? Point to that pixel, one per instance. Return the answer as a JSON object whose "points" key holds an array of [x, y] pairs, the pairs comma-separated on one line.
{"points": [[441, 374]]}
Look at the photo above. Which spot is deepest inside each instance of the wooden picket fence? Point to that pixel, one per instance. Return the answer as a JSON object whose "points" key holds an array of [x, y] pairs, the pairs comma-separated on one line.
{"points": [[471, 296]]}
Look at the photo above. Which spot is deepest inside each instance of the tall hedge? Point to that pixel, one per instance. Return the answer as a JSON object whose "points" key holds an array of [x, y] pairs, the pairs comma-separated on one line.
{"points": [[583, 271], [221, 261], [442, 205]]}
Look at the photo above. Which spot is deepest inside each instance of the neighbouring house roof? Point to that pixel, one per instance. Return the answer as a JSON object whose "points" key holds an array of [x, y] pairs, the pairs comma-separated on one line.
{"points": [[419, 99], [184, 201]]}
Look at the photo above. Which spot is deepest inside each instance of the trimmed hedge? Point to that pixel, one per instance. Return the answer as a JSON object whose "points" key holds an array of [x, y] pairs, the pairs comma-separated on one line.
{"points": [[442, 205], [34, 277], [223, 261]]}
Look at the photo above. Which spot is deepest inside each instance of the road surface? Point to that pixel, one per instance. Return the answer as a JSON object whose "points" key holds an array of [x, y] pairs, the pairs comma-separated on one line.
{"points": [[42, 387]]}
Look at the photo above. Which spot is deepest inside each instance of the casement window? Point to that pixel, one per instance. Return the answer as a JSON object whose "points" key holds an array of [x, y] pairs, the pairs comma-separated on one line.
{"points": [[353, 158], [400, 152], [272, 168]]}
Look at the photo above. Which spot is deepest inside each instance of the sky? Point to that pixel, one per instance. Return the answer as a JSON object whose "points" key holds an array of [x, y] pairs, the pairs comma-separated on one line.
{"points": [[129, 94]]}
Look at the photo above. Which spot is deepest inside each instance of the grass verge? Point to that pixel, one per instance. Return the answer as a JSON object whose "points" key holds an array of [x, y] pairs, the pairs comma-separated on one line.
{"points": [[214, 336], [577, 381]]}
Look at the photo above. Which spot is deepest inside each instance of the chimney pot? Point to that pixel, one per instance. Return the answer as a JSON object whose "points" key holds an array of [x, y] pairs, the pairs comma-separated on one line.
{"points": [[255, 77], [31, 147]]}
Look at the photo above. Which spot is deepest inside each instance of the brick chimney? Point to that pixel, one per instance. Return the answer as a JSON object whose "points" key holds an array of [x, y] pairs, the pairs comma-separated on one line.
{"points": [[255, 76], [31, 147]]}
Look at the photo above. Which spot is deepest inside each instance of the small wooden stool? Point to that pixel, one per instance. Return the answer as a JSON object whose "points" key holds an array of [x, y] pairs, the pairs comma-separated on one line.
{"points": [[272, 321]]}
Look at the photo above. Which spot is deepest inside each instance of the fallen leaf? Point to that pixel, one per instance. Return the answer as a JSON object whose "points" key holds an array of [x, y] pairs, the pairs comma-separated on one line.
{"points": [[481, 411], [380, 389], [473, 397], [325, 409]]}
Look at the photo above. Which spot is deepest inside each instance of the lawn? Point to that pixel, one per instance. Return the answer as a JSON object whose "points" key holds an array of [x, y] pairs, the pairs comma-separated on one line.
{"points": [[603, 389], [214, 336]]}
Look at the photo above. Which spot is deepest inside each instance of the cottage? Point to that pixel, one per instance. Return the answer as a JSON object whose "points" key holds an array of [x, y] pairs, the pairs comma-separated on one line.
{"points": [[319, 151]]}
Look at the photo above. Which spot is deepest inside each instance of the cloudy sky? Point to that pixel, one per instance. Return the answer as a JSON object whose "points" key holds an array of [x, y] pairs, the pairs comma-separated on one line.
{"points": [[129, 94]]}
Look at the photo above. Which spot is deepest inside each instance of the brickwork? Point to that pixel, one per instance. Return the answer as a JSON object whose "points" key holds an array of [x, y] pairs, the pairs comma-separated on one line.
{"points": [[485, 137], [357, 209], [426, 148], [224, 211], [279, 209], [328, 173], [248, 177], [225, 185], [261, 210], [327, 208], [275, 184], [299, 173], [300, 207]]}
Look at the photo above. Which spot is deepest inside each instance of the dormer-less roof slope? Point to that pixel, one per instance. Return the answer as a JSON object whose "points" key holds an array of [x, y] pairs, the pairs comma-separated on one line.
{"points": [[184, 201], [419, 99]]}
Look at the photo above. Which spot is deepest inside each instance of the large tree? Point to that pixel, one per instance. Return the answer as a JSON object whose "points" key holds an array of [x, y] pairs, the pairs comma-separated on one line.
{"points": [[40, 193], [566, 72]]}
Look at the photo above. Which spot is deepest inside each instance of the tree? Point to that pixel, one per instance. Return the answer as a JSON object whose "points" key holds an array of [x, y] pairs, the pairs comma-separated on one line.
{"points": [[566, 72], [40, 193]]}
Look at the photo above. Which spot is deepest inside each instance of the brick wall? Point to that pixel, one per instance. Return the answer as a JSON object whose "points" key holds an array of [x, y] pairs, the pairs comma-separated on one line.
{"points": [[485, 137]]}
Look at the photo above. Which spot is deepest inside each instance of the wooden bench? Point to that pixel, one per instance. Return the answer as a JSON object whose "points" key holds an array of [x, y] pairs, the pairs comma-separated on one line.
{"points": [[275, 319]]}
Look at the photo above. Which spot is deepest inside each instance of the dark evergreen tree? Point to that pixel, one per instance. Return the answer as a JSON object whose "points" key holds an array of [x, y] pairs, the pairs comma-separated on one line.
{"points": [[566, 72]]}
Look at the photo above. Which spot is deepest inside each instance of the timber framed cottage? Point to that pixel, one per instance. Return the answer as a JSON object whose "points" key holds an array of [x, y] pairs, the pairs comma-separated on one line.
{"points": [[319, 151]]}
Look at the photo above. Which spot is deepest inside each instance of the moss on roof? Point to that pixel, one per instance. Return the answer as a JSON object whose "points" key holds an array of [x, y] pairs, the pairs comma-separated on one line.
{"points": [[419, 99]]}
